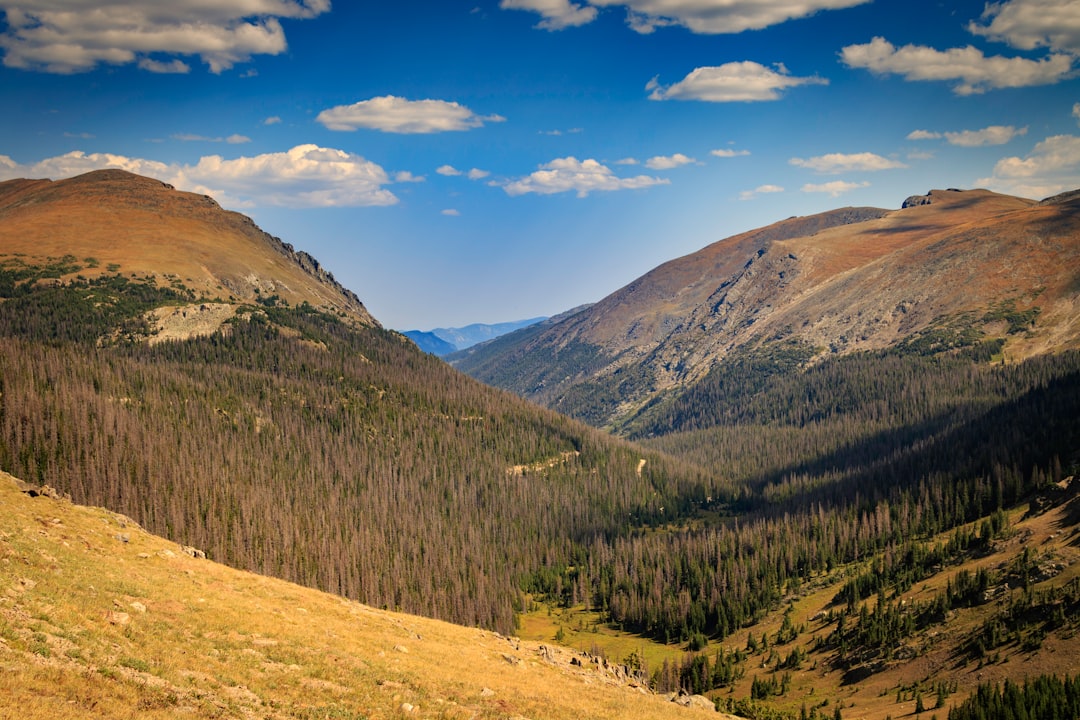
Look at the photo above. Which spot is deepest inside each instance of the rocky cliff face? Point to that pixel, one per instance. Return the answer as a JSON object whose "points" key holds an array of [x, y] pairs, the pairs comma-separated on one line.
{"points": [[843, 281], [135, 225]]}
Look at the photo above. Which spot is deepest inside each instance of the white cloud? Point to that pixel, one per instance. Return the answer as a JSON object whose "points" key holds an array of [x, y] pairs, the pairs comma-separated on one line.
{"points": [[78, 162], [404, 176], [699, 16], [557, 14], [1031, 24], [173, 67], [62, 36], [1076, 111], [840, 162], [272, 120], [974, 72], [398, 115], [834, 188], [668, 162], [451, 212], [448, 170], [581, 176], [627, 161], [305, 176], [234, 139], [729, 153], [478, 174], [1053, 166], [745, 81], [760, 190], [993, 135]]}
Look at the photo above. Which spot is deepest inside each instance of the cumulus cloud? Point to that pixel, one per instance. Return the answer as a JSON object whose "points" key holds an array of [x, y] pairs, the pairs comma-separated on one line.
{"points": [[272, 120], [840, 162], [448, 170], [1031, 24], [974, 72], [557, 14], [993, 135], [745, 81], [451, 212], [699, 16], [759, 190], [834, 188], [668, 162], [305, 176], [581, 176], [729, 153], [1076, 111], [60, 36], [1053, 166], [478, 174], [173, 67], [398, 115]]}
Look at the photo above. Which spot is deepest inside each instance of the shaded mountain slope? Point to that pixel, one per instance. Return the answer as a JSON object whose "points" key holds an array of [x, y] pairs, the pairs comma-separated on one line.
{"points": [[846, 281]]}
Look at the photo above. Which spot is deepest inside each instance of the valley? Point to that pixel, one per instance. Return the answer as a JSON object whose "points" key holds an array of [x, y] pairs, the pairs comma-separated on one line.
{"points": [[821, 469]]}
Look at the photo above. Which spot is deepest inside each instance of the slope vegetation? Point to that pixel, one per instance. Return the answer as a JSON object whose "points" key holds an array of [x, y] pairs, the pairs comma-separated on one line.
{"points": [[296, 440]]}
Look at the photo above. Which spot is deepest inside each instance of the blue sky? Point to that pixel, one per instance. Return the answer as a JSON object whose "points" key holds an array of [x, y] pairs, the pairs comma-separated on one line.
{"points": [[458, 162]]}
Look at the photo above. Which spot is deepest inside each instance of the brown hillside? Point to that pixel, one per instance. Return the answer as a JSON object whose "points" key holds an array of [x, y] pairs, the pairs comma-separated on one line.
{"points": [[851, 279], [135, 225]]}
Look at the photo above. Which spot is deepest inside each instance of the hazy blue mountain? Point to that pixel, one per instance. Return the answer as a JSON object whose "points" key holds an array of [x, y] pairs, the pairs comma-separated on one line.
{"points": [[453, 339], [430, 342]]}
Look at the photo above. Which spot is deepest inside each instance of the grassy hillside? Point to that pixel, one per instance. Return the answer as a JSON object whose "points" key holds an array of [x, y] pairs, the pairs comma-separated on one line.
{"points": [[100, 619]]}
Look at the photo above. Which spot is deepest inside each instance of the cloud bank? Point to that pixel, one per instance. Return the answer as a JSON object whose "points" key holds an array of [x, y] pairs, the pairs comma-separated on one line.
{"points": [[65, 36], [710, 17], [304, 176], [1052, 167], [973, 72]]}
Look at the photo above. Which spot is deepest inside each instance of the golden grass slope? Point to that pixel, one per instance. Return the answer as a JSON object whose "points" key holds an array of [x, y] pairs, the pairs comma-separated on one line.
{"points": [[132, 224], [100, 619]]}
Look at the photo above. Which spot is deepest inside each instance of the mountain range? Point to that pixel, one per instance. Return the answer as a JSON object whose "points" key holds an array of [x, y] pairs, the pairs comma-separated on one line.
{"points": [[846, 478]]}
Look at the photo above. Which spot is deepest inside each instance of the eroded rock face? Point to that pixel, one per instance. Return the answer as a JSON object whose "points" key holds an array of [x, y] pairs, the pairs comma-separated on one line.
{"points": [[916, 200]]}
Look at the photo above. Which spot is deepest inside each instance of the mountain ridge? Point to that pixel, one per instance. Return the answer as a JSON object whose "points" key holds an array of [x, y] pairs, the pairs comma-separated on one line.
{"points": [[843, 281], [154, 224]]}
